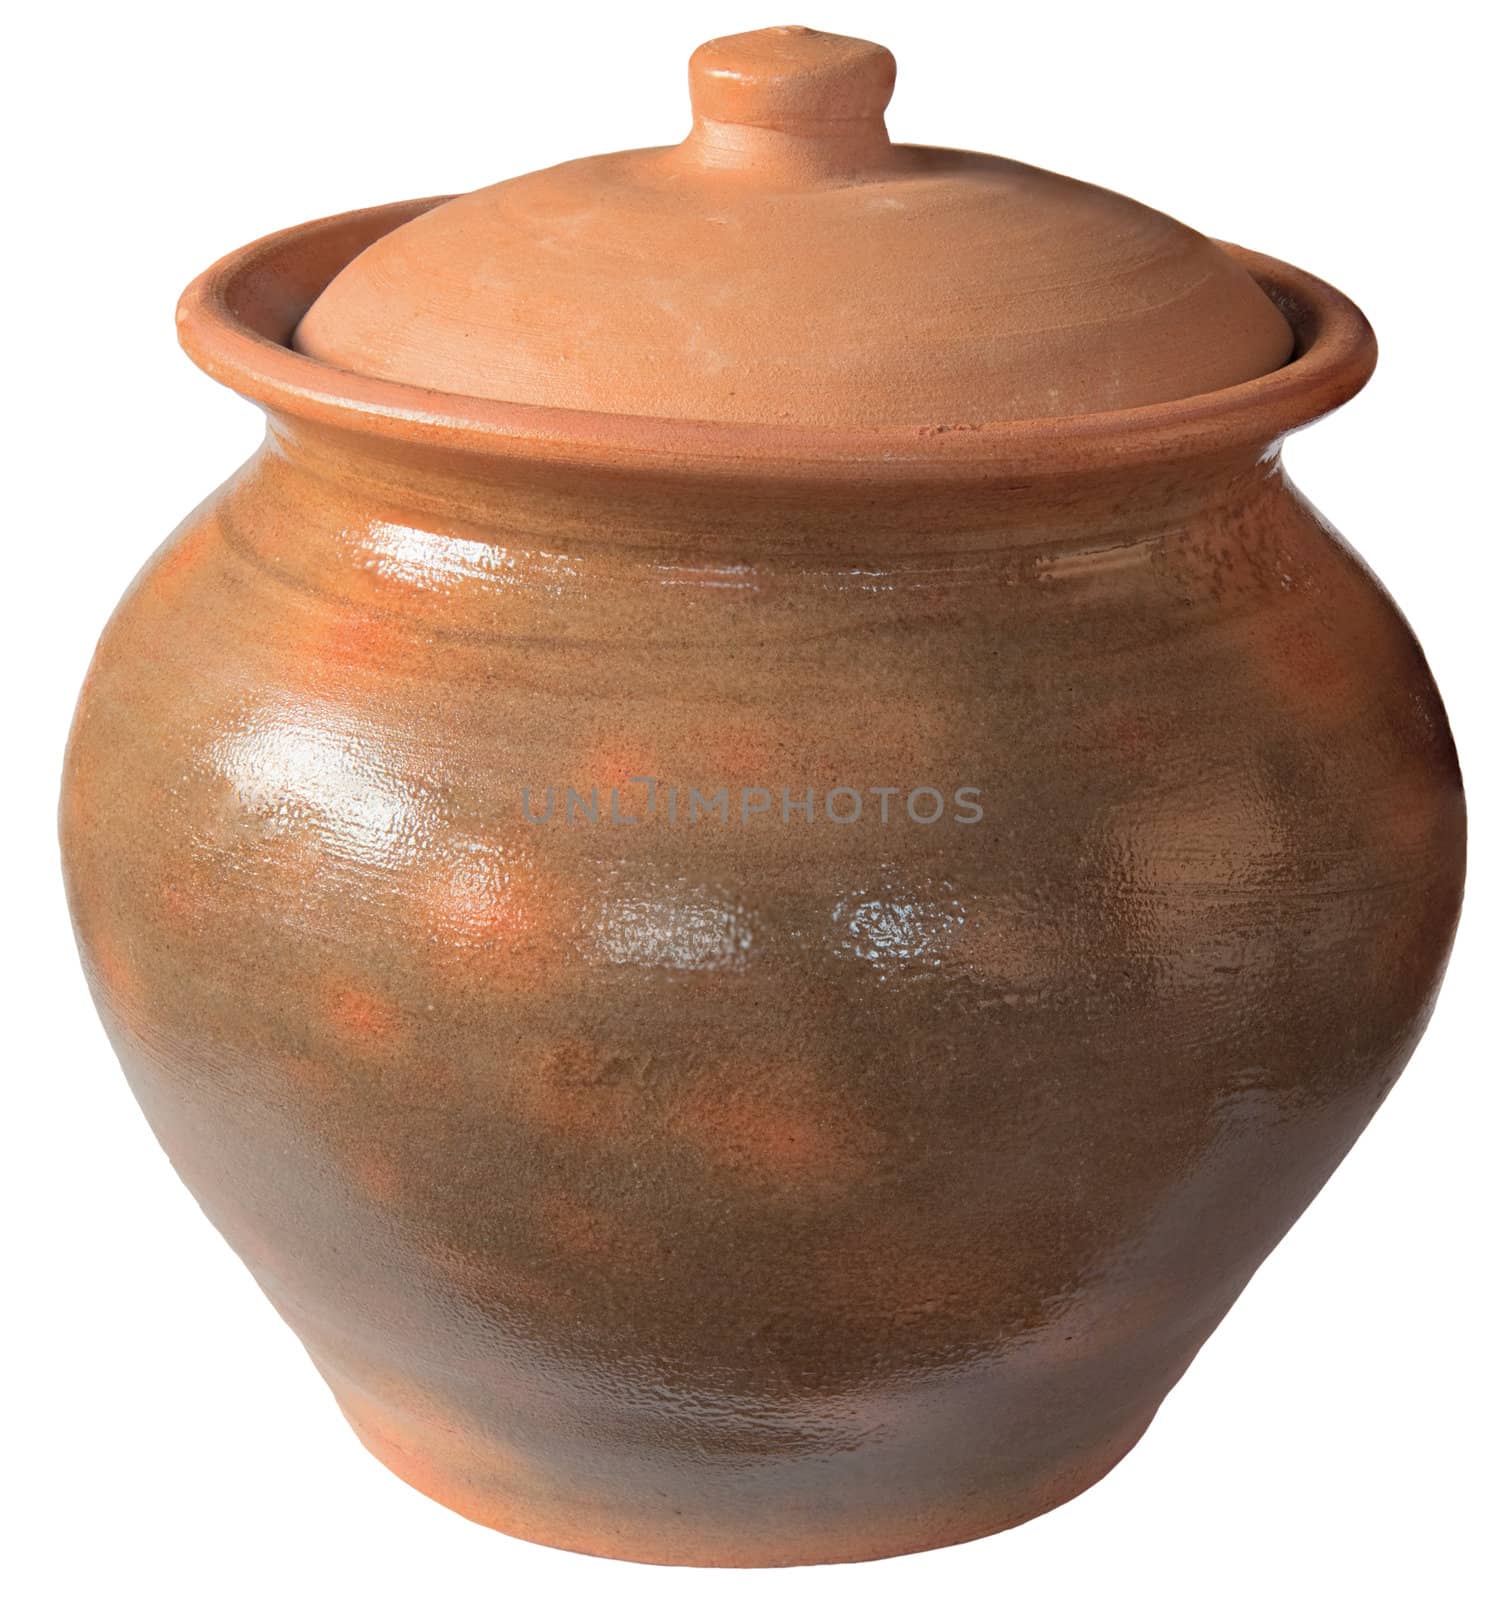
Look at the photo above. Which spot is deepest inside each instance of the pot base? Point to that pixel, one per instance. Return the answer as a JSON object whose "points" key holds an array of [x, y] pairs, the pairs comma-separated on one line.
{"points": [[648, 1540]]}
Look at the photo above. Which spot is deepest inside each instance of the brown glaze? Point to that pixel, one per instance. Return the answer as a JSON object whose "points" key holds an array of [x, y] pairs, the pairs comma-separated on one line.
{"points": [[771, 1191], [787, 263]]}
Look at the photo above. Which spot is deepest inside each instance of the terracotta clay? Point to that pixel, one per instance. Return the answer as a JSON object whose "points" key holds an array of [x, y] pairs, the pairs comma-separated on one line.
{"points": [[762, 1187], [787, 263]]}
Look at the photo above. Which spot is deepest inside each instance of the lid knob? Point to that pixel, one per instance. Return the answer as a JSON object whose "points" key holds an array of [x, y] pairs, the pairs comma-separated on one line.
{"points": [[790, 102]]}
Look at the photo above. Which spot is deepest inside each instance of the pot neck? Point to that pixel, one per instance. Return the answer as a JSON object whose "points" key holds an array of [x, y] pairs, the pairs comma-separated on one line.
{"points": [[564, 505]]}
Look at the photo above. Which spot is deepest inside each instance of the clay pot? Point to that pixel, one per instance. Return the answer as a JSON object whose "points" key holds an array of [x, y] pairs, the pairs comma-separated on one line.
{"points": [[722, 1178]]}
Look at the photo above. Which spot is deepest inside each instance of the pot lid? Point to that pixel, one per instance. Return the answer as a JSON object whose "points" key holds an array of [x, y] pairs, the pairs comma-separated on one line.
{"points": [[787, 264]]}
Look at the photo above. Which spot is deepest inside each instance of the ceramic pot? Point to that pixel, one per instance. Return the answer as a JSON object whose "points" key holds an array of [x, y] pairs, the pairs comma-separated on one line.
{"points": [[839, 1144]]}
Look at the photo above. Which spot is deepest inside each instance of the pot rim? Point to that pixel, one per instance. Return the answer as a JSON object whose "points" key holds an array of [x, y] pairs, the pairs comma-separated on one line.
{"points": [[236, 321]]}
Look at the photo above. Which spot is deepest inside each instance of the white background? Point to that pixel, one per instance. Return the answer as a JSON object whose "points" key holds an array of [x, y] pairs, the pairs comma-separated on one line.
{"points": [[165, 1430]]}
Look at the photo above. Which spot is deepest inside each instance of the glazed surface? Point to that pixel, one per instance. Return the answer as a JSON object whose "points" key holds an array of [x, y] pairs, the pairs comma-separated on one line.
{"points": [[766, 1191]]}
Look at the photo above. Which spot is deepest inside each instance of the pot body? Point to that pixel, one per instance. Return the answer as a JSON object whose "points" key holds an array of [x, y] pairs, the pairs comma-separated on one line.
{"points": [[717, 1181]]}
